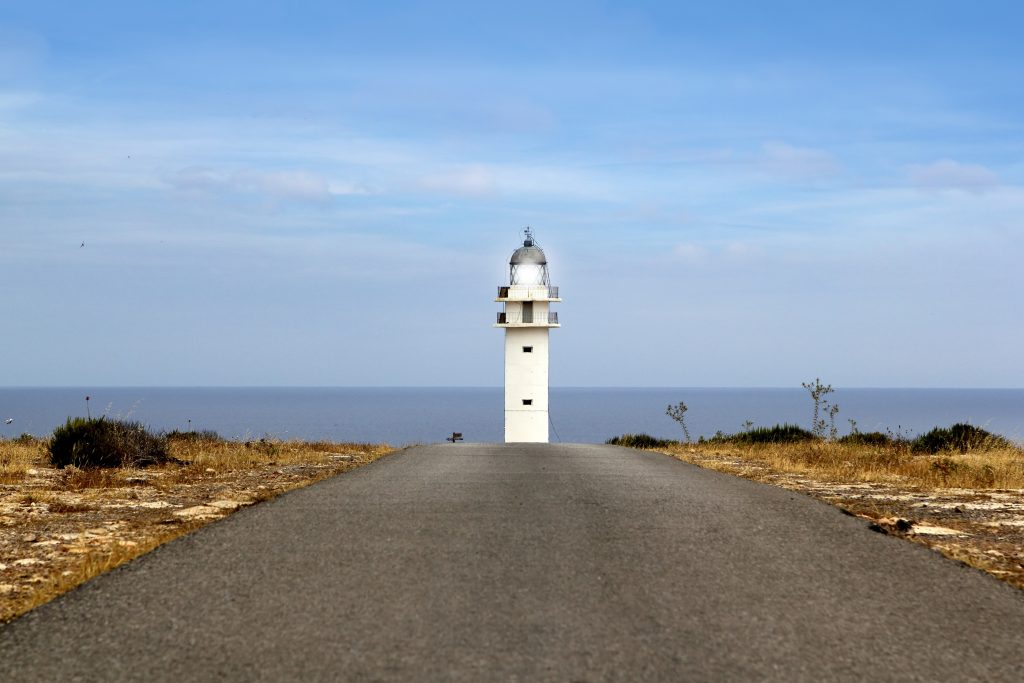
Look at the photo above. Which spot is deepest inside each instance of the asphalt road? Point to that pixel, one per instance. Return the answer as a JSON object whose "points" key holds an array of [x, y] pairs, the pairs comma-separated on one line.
{"points": [[564, 562]]}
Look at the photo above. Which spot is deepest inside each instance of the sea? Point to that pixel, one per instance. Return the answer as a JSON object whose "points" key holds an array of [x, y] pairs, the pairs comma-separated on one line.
{"points": [[408, 415]]}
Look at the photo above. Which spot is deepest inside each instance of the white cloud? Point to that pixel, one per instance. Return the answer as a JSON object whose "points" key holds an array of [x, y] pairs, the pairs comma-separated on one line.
{"points": [[690, 253], [284, 184], [294, 184], [949, 174], [801, 162], [466, 180]]}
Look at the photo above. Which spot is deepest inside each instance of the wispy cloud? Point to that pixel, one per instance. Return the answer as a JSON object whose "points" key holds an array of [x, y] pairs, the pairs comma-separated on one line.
{"points": [[690, 253], [949, 174], [471, 180], [784, 159], [289, 184]]}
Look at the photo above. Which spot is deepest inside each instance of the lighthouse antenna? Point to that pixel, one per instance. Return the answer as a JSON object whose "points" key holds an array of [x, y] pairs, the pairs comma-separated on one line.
{"points": [[528, 242]]}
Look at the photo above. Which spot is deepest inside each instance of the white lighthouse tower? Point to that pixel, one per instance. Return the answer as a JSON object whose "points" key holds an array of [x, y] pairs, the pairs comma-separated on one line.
{"points": [[527, 318]]}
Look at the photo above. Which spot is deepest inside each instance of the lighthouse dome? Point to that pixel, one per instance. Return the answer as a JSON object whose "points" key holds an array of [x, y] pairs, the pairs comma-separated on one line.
{"points": [[528, 265], [529, 253]]}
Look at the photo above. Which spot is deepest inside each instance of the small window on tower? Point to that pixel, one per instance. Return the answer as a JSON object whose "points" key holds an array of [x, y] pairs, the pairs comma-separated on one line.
{"points": [[527, 401], [527, 349]]}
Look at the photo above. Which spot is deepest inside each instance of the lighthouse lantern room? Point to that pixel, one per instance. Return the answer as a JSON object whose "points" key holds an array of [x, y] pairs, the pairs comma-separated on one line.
{"points": [[527, 318]]}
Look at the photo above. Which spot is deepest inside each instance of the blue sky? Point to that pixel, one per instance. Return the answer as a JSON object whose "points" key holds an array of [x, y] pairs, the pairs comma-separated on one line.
{"points": [[730, 194]]}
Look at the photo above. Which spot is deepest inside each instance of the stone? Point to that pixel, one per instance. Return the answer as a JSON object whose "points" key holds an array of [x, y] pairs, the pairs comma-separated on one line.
{"points": [[27, 562], [199, 511], [929, 530], [30, 538], [229, 504]]}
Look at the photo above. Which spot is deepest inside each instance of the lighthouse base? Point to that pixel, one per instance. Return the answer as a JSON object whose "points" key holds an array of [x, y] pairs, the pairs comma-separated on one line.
{"points": [[526, 426]]}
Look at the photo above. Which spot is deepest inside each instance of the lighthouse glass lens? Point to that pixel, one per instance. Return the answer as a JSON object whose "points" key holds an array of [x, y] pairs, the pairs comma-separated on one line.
{"points": [[528, 274]]}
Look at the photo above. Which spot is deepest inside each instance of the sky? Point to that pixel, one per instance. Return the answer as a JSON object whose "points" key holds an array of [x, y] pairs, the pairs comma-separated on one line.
{"points": [[305, 193]]}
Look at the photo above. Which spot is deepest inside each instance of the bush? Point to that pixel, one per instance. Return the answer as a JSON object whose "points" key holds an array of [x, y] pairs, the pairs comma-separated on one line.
{"points": [[639, 441], [204, 435], [868, 439], [960, 437], [786, 433], [99, 442]]}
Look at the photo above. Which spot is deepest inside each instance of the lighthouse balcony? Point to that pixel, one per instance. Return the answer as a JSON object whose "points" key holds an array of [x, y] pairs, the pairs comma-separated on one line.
{"points": [[506, 319], [528, 293]]}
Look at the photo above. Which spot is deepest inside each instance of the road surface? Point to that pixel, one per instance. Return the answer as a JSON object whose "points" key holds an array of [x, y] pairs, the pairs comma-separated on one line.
{"points": [[473, 562]]}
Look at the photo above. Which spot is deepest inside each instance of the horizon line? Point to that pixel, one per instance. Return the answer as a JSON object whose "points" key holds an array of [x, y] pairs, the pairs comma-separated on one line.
{"points": [[482, 386]]}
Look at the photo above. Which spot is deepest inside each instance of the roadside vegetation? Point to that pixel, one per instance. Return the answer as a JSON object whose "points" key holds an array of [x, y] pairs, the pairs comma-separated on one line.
{"points": [[101, 492]]}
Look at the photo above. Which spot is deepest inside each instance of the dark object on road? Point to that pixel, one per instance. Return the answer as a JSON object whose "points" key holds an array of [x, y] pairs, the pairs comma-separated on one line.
{"points": [[99, 442], [456, 436]]}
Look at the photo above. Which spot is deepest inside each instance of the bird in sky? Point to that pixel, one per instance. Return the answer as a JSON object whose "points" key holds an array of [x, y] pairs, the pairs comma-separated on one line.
{"points": [[8, 420], [83, 244]]}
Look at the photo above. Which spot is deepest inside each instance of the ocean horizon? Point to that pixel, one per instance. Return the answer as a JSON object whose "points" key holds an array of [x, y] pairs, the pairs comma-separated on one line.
{"points": [[405, 415]]}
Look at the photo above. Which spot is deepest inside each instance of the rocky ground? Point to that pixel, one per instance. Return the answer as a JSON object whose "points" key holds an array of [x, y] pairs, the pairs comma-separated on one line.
{"points": [[59, 528], [980, 527]]}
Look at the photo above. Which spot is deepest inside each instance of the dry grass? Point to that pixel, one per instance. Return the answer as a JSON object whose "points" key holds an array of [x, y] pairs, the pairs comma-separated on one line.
{"points": [[998, 468], [17, 457], [59, 528]]}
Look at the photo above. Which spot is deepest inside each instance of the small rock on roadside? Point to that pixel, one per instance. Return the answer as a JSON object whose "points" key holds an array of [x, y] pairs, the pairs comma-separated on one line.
{"points": [[154, 504], [929, 530], [343, 457], [199, 511], [229, 504]]}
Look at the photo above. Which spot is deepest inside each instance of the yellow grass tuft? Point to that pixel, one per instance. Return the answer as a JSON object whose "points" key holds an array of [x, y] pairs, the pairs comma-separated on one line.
{"points": [[996, 468]]}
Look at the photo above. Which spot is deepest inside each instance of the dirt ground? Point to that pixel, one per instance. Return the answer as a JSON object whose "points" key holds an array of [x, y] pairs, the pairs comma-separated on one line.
{"points": [[983, 528], [58, 528]]}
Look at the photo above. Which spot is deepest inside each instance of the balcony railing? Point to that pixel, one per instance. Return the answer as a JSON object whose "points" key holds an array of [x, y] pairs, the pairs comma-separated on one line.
{"points": [[504, 318], [520, 292]]}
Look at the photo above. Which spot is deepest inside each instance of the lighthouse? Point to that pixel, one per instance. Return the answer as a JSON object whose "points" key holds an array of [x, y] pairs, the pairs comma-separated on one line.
{"points": [[527, 318]]}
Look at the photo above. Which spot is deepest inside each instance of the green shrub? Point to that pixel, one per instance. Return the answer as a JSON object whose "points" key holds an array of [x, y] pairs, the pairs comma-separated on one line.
{"points": [[203, 435], [960, 437], [785, 433], [639, 441], [99, 442], [868, 439]]}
